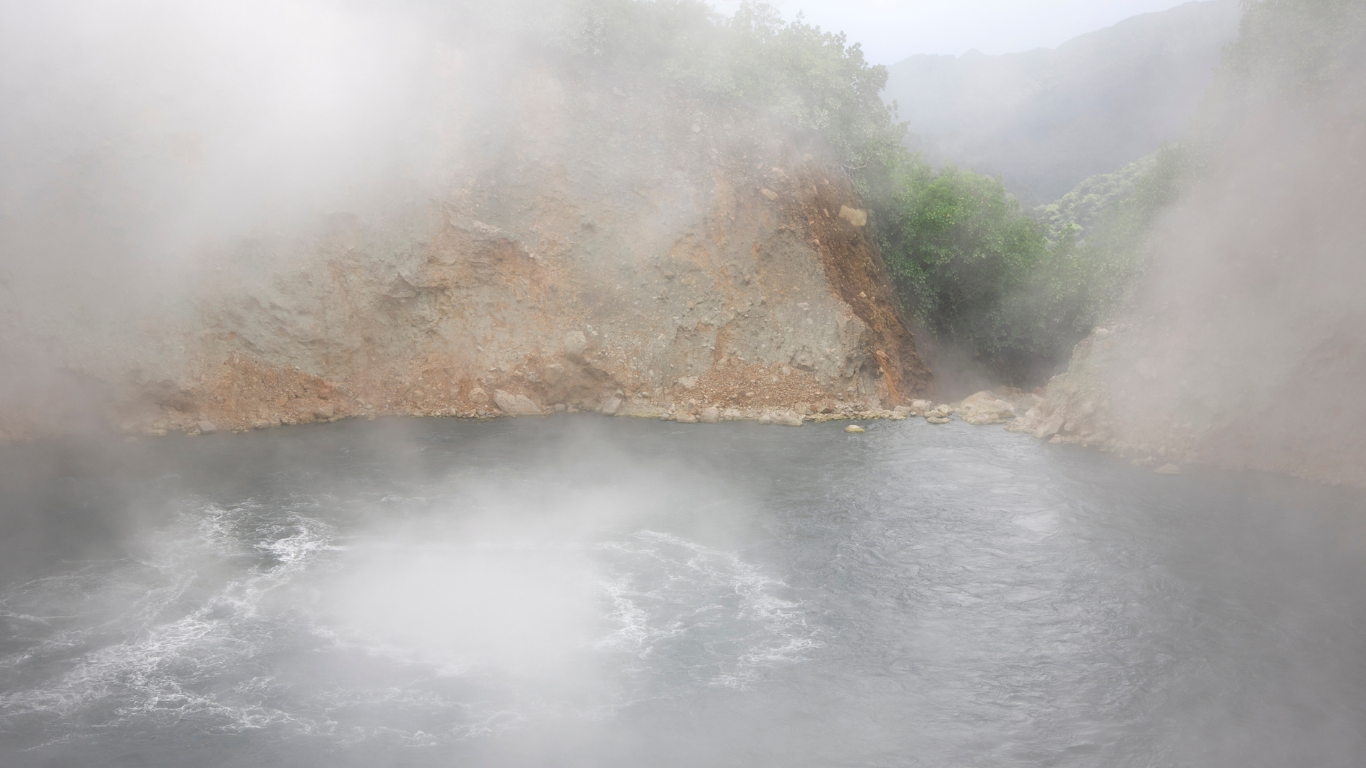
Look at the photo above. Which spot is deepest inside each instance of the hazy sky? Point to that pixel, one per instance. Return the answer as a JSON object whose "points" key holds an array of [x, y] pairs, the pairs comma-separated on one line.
{"points": [[891, 30]]}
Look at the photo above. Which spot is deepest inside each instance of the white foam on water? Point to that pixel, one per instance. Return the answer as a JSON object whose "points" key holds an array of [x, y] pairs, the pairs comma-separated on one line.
{"points": [[471, 635], [170, 652], [680, 603]]}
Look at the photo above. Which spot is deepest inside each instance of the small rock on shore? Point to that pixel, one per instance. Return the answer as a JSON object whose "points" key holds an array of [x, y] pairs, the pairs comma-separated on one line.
{"points": [[516, 405]]}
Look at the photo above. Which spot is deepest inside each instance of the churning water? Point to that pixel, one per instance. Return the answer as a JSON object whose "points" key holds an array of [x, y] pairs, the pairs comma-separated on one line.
{"points": [[582, 591]]}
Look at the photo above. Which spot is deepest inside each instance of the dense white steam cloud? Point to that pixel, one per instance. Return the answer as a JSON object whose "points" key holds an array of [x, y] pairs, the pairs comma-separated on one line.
{"points": [[143, 143], [175, 122]]}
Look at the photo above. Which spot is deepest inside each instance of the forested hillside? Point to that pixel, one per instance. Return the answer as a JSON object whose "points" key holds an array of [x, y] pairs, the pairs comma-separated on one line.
{"points": [[1047, 119]]}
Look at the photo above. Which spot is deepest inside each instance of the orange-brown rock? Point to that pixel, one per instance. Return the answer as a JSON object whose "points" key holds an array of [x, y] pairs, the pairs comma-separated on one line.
{"points": [[585, 248]]}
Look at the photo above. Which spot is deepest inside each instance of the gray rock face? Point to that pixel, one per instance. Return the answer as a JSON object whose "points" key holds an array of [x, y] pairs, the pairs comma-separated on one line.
{"points": [[516, 405]]}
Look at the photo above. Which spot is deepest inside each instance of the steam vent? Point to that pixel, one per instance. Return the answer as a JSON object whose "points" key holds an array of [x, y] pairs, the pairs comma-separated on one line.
{"points": [[597, 251]]}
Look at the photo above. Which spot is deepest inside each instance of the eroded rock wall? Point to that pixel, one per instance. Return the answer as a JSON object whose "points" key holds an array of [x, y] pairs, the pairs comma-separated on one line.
{"points": [[590, 244]]}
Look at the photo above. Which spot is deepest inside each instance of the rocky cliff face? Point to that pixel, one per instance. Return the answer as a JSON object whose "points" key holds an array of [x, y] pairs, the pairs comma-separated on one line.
{"points": [[588, 248]]}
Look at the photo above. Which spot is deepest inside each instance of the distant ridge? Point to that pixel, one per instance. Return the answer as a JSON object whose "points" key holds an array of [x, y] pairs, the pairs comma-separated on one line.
{"points": [[1047, 119]]}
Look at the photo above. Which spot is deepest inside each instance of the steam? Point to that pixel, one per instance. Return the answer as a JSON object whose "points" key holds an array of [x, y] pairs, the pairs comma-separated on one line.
{"points": [[511, 589], [1252, 310], [145, 143], [1045, 120]]}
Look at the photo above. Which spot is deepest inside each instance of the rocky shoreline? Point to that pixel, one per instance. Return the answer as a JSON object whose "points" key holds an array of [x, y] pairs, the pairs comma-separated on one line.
{"points": [[1065, 412], [983, 408]]}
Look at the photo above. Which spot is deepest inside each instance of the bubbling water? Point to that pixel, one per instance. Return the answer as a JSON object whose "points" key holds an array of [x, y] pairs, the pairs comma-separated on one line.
{"points": [[612, 593]]}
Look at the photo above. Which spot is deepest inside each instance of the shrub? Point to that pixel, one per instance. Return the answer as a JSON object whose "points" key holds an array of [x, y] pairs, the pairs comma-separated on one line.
{"points": [[974, 270]]}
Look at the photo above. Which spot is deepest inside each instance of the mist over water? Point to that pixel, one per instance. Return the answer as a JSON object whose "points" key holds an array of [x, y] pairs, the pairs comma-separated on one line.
{"points": [[588, 592]]}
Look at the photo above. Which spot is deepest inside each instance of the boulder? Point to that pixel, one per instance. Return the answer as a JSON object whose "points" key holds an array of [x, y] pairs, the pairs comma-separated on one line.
{"points": [[575, 344], [710, 416], [1025, 403], [685, 418], [986, 408], [611, 405], [1049, 427], [553, 373], [515, 405], [765, 419], [207, 427], [853, 428], [788, 420], [937, 419], [855, 216]]}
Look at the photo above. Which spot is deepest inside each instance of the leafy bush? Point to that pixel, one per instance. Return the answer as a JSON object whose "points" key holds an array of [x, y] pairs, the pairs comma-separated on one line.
{"points": [[980, 275]]}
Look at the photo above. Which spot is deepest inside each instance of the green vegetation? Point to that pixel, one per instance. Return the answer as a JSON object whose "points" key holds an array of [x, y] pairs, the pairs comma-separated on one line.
{"points": [[1017, 291], [1076, 212], [976, 274], [982, 276], [966, 261], [959, 252]]}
